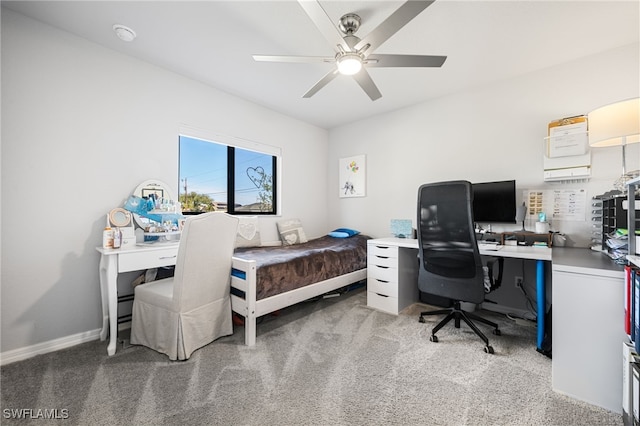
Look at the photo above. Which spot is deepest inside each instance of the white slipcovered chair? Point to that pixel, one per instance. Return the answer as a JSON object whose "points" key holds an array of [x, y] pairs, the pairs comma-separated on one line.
{"points": [[178, 315]]}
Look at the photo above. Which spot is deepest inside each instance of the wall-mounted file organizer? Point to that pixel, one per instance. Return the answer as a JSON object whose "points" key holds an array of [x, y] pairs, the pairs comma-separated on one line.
{"points": [[566, 150]]}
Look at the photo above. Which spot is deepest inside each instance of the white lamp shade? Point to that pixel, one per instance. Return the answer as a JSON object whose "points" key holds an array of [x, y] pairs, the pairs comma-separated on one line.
{"points": [[615, 124]]}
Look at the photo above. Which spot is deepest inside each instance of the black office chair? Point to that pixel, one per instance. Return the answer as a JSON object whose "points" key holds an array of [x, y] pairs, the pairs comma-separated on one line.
{"points": [[450, 263]]}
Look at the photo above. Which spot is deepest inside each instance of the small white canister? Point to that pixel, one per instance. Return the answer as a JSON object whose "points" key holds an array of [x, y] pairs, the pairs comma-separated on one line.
{"points": [[542, 227]]}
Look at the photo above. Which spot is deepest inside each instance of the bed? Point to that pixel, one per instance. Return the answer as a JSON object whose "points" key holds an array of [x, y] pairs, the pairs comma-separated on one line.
{"points": [[265, 279]]}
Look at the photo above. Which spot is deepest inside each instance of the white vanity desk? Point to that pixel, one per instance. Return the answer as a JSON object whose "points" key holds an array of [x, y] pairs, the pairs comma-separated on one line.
{"points": [[132, 257], [115, 261]]}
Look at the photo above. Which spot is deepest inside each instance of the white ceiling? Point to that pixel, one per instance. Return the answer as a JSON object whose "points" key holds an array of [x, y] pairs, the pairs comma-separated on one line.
{"points": [[213, 42]]}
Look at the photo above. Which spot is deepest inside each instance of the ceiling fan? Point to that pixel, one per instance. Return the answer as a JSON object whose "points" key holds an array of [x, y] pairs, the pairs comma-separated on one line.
{"points": [[354, 55]]}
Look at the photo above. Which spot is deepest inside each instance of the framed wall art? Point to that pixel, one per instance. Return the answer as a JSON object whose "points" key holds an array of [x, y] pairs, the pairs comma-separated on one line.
{"points": [[352, 175]]}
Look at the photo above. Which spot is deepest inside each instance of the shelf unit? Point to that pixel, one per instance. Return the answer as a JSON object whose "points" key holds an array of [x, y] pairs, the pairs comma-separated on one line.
{"points": [[615, 214], [596, 222], [632, 186], [628, 347]]}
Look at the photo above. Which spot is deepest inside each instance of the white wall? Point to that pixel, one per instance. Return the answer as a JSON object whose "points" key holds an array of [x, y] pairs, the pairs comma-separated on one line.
{"points": [[491, 133], [82, 126]]}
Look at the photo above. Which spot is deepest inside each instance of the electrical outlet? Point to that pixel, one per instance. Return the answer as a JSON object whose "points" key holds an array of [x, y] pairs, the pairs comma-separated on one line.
{"points": [[518, 281]]}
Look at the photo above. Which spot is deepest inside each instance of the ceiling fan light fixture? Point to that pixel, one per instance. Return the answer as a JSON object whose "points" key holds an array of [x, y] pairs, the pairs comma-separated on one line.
{"points": [[349, 64]]}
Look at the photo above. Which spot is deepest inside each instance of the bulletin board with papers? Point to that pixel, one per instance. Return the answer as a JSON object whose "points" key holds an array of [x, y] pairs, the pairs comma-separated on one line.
{"points": [[557, 204]]}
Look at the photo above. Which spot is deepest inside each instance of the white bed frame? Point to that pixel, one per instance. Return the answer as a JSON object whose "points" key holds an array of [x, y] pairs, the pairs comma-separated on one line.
{"points": [[251, 309]]}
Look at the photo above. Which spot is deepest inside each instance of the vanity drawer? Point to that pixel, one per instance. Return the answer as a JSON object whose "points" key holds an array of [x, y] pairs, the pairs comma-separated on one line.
{"points": [[382, 251], [382, 303], [383, 273], [386, 288], [135, 261]]}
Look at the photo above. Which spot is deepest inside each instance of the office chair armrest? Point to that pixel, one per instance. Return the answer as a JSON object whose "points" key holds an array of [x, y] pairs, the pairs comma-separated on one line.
{"points": [[491, 265]]}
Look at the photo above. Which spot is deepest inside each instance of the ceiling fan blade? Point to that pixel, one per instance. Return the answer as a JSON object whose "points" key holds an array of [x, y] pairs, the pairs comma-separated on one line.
{"points": [[297, 59], [393, 23], [364, 80], [320, 84], [319, 17], [405, 61]]}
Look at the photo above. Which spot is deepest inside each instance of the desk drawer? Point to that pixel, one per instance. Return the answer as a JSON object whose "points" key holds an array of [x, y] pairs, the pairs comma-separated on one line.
{"points": [[385, 288], [381, 260], [382, 250], [382, 303], [135, 261], [383, 273]]}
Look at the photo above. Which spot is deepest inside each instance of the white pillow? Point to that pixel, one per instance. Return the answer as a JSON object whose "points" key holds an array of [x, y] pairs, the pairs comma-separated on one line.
{"points": [[291, 232], [248, 232]]}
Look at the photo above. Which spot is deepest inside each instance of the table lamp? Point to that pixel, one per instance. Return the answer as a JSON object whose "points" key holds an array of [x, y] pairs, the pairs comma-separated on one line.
{"points": [[616, 124]]}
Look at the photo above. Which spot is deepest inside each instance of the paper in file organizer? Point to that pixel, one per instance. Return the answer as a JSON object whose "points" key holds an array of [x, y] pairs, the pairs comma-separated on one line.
{"points": [[566, 154], [568, 137]]}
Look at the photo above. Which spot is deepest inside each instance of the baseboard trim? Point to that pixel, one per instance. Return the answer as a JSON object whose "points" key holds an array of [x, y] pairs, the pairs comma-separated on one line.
{"points": [[46, 347]]}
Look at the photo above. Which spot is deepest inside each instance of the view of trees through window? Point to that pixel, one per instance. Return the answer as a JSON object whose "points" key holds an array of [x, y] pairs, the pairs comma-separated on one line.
{"points": [[219, 177]]}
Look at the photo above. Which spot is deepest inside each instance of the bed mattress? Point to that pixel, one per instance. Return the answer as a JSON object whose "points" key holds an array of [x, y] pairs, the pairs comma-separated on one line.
{"points": [[283, 268]]}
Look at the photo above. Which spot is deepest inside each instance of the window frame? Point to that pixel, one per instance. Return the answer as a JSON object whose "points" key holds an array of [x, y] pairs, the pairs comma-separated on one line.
{"points": [[233, 143]]}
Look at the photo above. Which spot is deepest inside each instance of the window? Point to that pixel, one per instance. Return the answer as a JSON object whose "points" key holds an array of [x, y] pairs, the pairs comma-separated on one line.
{"points": [[222, 177]]}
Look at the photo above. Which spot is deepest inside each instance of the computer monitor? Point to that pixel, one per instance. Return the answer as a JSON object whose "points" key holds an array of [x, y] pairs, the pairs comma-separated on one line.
{"points": [[494, 202]]}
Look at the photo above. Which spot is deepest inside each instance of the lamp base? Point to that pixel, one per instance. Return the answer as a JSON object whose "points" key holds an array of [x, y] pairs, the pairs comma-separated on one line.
{"points": [[620, 183]]}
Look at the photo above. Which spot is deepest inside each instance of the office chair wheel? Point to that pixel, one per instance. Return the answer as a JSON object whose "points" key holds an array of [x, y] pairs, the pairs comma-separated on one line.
{"points": [[488, 349], [421, 319], [433, 338], [497, 332]]}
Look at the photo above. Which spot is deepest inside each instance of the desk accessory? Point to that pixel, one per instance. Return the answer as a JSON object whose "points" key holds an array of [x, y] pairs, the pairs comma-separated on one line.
{"points": [[521, 214], [401, 228], [119, 217], [119, 229], [117, 238], [542, 227]]}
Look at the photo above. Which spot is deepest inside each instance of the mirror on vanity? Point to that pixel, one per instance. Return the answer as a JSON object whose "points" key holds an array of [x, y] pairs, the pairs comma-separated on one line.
{"points": [[119, 218], [162, 210]]}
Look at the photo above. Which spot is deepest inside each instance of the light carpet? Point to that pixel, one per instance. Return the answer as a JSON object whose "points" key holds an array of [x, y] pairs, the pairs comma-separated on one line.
{"points": [[324, 362]]}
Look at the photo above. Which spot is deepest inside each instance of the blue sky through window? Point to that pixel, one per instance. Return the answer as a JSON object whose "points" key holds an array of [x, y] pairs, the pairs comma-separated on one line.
{"points": [[204, 166]]}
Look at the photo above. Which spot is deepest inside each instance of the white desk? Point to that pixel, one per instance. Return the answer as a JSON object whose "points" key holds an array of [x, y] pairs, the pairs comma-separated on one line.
{"points": [[587, 329], [539, 254], [115, 261]]}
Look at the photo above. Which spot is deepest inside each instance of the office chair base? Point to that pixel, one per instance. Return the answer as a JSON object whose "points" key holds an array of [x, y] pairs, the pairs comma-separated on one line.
{"points": [[456, 313]]}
